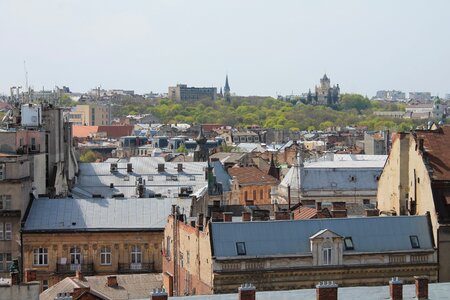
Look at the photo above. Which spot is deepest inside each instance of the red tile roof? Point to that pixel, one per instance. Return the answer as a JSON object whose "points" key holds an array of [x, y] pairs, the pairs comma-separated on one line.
{"points": [[252, 176], [112, 131], [437, 151]]}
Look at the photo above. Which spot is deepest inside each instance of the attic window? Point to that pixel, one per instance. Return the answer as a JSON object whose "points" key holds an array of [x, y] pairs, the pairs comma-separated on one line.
{"points": [[126, 178], [150, 178], [240, 248], [414, 241], [172, 178], [192, 178], [348, 243], [352, 178]]}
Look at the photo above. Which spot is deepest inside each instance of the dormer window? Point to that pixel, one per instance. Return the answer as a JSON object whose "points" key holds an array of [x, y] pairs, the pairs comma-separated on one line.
{"points": [[326, 256], [348, 243], [240, 248], [414, 241]]}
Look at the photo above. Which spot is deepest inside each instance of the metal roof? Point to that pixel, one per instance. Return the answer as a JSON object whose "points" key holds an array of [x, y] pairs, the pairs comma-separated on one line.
{"points": [[437, 291], [374, 234], [101, 214]]}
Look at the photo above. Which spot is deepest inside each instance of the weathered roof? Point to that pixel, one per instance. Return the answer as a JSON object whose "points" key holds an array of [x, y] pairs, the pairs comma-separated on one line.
{"points": [[437, 145], [251, 175], [436, 291], [112, 131], [69, 214], [135, 286], [374, 234]]}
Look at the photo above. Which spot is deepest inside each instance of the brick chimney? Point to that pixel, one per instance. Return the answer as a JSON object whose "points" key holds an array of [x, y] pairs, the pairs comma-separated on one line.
{"points": [[421, 287], [282, 215], [159, 294], [227, 216], [200, 221], [326, 290], [373, 212], [15, 278], [246, 216], [339, 210], [129, 167], [247, 291], [79, 275], [319, 206], [396, 288], [30, 275], [111, 281]]}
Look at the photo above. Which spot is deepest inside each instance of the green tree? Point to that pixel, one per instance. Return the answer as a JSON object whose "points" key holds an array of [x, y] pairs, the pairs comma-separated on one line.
{"points": [[89, 156], [354, 101], [182, 149]]}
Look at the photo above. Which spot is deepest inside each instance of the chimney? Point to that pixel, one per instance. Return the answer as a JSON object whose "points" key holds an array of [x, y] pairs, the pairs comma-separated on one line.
{"points": [[113, 167], [227, 216], [15, 278], [160, 168], [30, 275], [129, 167], [179, 168], [246, 216], [247, 291], [421, 145], [326, 290], [77, 292], [79, 275], [111, 281], [200, 222], [282, 215], [421, 287], [319, 206], [339, 210], [373, 212], [396, 288], [159, 294]]}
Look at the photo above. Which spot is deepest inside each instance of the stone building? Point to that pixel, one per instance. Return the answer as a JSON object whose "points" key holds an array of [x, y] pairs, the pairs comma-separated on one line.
{"points": [[181, 92], [216, 257], [325, 94], [95, 236], [415, 181], [91, 114]]}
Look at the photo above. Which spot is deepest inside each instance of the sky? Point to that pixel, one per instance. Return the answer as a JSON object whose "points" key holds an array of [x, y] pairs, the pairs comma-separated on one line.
{"points": [[266, 47]]}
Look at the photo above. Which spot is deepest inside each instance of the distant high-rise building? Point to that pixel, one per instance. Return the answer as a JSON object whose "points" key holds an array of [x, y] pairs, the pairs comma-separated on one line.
{"points": [[183, 92], [226, 90], [90, 115]]}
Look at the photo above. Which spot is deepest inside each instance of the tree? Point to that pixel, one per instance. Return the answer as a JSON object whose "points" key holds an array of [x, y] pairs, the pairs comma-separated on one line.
{"points": [[89, 156], [182, 149], [354, 101]]}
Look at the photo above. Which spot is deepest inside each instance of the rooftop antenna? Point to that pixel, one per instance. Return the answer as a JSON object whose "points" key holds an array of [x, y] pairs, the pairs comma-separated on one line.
{"points": [[26, 79]]}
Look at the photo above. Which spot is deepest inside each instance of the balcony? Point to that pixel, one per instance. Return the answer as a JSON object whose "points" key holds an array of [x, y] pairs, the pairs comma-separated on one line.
{"points": [[137, 268], [71, 268]]}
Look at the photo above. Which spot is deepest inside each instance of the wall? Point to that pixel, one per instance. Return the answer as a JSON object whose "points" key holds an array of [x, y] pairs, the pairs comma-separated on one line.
{"points": [[24, 291]]}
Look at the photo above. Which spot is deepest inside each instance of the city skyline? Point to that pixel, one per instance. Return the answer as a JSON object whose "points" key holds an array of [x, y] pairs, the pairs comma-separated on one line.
{"points": [[266, 49]]}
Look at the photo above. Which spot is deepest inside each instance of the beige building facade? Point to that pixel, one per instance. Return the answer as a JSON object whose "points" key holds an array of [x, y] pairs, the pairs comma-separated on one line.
{"points": [[90, 115]]}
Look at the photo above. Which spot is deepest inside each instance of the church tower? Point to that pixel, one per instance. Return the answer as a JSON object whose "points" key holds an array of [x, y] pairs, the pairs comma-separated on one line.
{"points": [[226, 90], [201, 153]]}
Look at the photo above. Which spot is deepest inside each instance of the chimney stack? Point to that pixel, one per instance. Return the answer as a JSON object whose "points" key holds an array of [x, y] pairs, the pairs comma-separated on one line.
{"points": [[15, 278], [129, 167], [200, 222], [282, 215], [159, 294], [339, 210], [30, 275], [246, 216], [421, 287], [319, 206], [326, 290], [396, 288], [247, 291], [372, 212], [111, 281], [227, 216], [79, 275]]}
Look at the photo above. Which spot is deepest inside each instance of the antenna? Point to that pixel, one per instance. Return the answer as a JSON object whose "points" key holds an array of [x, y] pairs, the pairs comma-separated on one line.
{"points": [[26, 80]]}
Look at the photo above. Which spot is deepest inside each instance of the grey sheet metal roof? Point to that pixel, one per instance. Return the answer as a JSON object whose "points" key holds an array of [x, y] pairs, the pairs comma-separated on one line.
{"points": [[100, 214], [374, 234], [436, 291]]}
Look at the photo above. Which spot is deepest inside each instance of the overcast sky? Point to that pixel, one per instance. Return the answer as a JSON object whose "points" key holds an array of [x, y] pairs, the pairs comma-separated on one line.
{"points": [[266, 47]]}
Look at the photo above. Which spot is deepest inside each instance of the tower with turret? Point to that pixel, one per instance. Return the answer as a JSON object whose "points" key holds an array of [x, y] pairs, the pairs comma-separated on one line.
{"points": [[226, 90]]}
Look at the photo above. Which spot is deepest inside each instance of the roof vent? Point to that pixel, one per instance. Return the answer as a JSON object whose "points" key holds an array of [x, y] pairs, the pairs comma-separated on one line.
{"points": [[113, 167]]}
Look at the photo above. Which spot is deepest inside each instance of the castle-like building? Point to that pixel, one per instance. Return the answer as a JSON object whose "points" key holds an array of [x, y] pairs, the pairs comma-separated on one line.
{"points": [[325, 94]]}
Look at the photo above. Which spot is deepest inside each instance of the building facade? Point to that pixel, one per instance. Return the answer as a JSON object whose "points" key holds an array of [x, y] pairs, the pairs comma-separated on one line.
{"points": [[216, 257], [90, 115], [415, 181], [181, 92]]}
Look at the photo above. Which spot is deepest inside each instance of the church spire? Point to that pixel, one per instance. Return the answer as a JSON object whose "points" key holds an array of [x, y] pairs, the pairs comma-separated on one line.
{"points": [[226, 90]]}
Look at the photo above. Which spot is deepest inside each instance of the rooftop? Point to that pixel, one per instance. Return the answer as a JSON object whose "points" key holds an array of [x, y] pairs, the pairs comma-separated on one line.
{"points": [[251, 175]]}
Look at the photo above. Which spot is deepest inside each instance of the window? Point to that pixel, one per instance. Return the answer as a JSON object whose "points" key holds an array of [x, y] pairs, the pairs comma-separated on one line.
{"points": [[168, 245], [254, 195], [8, 231], [261, 194], [40, 257], [150, 177], [245, 195], [348, 243], [240, 248], [5, 261], [44, 284], [5, 201], [326, 256], [75, 255], [2, 171], [136, 255], [414, 241], [366, 201], [105, 255]]}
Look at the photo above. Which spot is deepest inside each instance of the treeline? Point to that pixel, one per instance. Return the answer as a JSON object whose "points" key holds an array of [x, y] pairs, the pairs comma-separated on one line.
{"points": [[268, 112]]}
